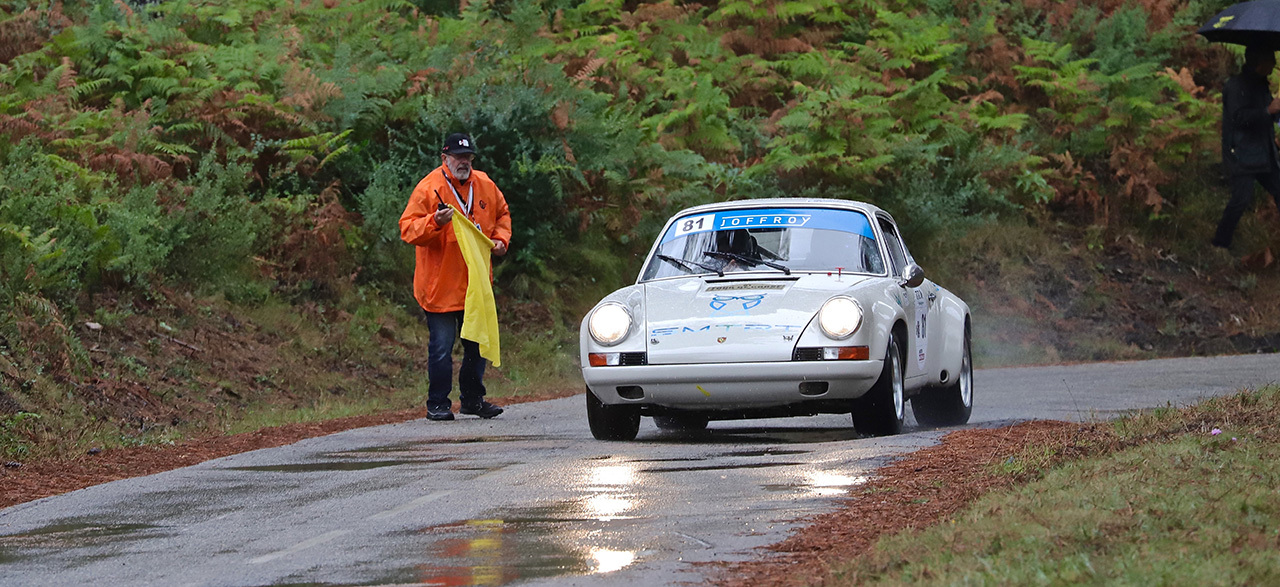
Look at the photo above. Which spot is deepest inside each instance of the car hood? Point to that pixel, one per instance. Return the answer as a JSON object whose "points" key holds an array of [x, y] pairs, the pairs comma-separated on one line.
{"points": [[694, 320]]}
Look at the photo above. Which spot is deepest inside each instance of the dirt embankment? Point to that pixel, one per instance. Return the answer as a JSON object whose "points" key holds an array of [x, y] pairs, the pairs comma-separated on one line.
{"points": [[1127, 300]]}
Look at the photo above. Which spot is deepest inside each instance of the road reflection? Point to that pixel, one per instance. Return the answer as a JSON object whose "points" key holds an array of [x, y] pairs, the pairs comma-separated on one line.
{"points": [[612, 490], [591, 528], [576, 536], [611, 476], [830, 482], [607, 561], [607, 507]]}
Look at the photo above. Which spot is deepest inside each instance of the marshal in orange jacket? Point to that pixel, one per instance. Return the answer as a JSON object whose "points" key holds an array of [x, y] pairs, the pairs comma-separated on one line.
{"points": [[440, 274]]}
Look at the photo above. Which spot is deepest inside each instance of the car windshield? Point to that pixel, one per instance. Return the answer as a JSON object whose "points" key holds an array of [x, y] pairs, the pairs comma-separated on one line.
{"points": [[778, 240]]}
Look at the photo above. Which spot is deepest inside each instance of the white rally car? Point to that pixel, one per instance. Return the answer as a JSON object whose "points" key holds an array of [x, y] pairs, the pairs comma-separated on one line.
{"points": [[781, 307]]}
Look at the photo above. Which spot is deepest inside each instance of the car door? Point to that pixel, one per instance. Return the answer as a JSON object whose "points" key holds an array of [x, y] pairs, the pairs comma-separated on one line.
{"points": [[915, 304], [930, 324]]}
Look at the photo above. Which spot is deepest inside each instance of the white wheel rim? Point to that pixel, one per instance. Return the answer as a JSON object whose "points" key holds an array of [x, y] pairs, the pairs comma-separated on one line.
{"points": [[898, 402], [966, 378]]}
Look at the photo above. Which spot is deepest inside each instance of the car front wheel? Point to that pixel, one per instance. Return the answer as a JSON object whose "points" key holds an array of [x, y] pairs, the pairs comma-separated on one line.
{"points": [[880, 412], [612, 422], [951, 405]]}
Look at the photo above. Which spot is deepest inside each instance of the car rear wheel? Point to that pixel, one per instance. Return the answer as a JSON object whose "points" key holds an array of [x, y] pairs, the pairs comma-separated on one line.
{"points": [[680, 422], [612, 422], [950, 405], [880, 412]]}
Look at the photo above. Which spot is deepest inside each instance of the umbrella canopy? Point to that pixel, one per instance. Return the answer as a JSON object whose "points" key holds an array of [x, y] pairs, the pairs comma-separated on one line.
{"points": [[1246, 23]]}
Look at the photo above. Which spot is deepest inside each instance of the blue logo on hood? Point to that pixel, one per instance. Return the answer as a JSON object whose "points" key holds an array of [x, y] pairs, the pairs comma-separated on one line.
{"points": [[748, 302]]}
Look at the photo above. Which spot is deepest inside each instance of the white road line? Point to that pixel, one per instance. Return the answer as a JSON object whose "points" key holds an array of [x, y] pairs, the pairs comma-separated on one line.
{"points": [[704, 543], [299, 547], [408, 506]]}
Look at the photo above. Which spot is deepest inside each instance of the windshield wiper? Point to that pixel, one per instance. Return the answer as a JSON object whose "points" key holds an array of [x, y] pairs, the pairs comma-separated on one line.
{"points": [[748, 260], [766, 253], [686, 264]]}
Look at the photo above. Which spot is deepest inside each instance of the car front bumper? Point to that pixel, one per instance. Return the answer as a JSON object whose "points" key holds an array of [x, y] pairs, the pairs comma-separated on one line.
{"points": [[729, 386]]}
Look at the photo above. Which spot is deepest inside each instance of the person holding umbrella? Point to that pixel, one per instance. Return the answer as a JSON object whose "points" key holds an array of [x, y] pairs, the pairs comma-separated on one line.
{"points": [[1249, 111], [1249, 115]]}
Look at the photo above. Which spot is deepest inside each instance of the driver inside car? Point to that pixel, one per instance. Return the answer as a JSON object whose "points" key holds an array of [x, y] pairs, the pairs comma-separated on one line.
{"points": [[737, 242]]}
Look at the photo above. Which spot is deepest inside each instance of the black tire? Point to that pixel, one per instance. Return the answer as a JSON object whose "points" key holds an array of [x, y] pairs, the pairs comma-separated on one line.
{"points": [[953, 404], [681, 422], [880, 411], [612, 422]]}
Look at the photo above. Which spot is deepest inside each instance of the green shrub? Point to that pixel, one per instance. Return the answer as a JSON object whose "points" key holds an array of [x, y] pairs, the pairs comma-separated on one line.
{"points": [[15, 435], [60, 227], [215, 228]]}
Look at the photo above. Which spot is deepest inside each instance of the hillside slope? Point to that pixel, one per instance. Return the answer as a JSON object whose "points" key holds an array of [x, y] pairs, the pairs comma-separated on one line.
{"points": [[199, 200]]}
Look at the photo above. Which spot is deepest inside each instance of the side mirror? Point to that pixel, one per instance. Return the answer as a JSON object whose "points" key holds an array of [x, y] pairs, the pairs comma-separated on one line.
{"points": [[912, 276]]}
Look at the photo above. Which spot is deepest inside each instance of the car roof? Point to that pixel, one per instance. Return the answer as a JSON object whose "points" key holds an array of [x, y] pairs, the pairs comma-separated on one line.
{"points": [[864, 207]]}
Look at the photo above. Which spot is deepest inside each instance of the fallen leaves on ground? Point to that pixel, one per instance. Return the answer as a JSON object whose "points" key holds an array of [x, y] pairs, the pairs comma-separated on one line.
{"points": [[923, 488]]}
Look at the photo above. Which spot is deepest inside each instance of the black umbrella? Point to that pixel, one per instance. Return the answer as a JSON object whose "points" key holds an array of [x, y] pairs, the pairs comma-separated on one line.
{"points": [[1246, 23]]}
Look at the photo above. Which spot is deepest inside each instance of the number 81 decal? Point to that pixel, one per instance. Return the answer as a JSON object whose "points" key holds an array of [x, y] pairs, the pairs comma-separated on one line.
{"points": [[695, 224]]}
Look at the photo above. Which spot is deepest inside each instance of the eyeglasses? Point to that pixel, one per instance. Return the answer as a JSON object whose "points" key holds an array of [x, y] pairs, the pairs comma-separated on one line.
{"points": [[462, 156]]}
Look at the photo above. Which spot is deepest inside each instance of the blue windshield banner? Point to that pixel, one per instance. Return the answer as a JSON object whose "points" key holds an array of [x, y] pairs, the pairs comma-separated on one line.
{"points": [[772, 218]]}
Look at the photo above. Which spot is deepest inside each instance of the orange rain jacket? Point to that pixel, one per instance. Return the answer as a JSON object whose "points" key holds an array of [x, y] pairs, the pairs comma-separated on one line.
{"points": [[440, 274]]}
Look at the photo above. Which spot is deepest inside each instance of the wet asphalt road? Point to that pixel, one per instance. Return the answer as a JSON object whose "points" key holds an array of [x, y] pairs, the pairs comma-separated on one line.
{"points": [[527, 498]]}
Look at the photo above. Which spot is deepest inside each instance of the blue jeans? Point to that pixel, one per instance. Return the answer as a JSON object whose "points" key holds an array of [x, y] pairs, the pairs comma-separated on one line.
{"points": [[444, 328]]}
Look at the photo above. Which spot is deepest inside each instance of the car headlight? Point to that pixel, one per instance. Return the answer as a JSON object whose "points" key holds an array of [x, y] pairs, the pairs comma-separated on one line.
{"points": [[609, 324], [840, 317]]}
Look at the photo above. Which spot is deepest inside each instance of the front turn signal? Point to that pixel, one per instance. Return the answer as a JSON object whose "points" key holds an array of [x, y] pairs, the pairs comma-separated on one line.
{"points": [[845, 353]]}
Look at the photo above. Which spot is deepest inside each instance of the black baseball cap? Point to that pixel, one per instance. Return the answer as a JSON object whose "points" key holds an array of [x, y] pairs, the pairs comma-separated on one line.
{"points": [[458, 144]]}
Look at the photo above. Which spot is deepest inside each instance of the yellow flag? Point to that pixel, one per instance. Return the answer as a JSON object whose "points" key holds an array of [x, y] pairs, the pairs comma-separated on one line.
{"points": [[480, 312]]}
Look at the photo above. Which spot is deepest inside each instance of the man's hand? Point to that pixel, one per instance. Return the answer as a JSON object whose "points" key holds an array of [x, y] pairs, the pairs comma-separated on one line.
{"points": [[1274, 107], [443, 216], [499, 248]]}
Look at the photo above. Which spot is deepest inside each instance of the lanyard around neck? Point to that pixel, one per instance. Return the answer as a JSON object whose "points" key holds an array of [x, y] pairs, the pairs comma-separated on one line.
{"points": [[465, 206]]}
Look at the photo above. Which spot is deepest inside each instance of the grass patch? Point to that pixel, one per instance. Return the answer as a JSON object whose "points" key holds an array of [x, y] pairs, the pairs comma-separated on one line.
{"points": [[322, 408], [537, 362], [186, 367], [1173, 496]]}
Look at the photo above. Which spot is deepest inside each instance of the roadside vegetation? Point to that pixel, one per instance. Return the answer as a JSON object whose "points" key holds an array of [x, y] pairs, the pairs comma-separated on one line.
{"points": [[198, 199], [1182, 496]]}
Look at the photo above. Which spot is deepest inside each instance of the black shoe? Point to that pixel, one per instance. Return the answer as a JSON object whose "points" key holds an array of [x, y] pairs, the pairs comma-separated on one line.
{"points": [[441, 414], [484, 409]]}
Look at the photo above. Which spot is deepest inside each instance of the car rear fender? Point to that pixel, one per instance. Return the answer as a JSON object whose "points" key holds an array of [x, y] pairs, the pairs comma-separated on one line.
{"points": [[955, 314]]}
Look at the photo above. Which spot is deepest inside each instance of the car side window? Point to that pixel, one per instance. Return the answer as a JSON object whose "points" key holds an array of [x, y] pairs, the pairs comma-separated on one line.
{"points": [[897, 254], [910, 260]]}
